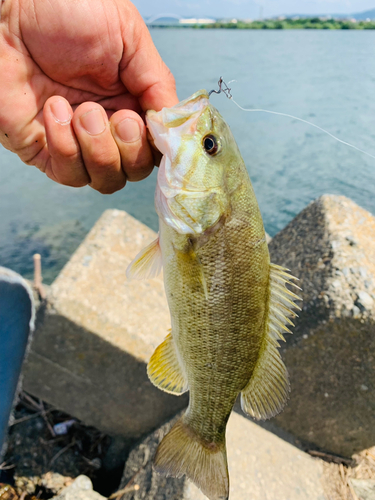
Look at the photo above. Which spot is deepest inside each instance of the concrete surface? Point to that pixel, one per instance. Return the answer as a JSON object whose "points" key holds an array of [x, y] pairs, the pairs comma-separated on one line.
{"points": [[97, 333], [330, 246], [261, 467]]}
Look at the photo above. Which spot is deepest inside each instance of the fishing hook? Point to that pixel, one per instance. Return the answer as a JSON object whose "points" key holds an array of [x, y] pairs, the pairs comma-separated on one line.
{"points": [[223, 87]]}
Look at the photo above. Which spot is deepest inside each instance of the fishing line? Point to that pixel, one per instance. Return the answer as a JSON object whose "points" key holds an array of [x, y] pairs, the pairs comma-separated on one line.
{"points": [[223, 87]]}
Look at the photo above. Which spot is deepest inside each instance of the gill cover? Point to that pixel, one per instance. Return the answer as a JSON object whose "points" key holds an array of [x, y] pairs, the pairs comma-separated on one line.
{"points": [[190, 195]]}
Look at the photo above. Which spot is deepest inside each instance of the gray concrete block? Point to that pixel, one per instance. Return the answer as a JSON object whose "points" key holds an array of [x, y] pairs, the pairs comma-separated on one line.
{"points": [[330, 246], [261, 467], [97, 333]]}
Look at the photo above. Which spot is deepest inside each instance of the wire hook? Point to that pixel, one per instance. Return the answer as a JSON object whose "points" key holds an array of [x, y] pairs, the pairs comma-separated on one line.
{"points": [[223, 87]]}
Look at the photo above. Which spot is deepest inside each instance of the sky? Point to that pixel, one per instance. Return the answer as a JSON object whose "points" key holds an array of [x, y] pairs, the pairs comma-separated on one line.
{"points": [[250, 8]]}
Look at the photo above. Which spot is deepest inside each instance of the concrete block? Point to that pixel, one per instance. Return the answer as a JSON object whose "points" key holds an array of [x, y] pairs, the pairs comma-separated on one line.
{"points": [[97, 333], [261, 467], [330, 247]]}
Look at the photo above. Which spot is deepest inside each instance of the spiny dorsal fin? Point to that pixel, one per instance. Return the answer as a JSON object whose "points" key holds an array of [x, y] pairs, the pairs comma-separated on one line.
{"points": [[268, 390], [164, 369], [147, 263]]}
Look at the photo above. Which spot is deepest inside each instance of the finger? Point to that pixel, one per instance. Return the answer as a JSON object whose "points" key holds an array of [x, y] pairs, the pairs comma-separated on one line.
{"points": [[130, 135], [65, 164], [98, 148], [21, 124], [143, 71]]}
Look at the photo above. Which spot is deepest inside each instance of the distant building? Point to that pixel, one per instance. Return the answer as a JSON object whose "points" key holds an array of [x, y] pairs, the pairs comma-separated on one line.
{"points": [[197, 21]]}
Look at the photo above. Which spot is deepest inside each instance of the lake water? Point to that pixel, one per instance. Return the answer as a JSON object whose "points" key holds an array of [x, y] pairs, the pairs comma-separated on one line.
{"points": [[327, 77]]}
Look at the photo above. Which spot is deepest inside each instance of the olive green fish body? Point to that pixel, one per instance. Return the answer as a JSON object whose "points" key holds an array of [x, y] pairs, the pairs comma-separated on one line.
{"points": [[218, 337]]}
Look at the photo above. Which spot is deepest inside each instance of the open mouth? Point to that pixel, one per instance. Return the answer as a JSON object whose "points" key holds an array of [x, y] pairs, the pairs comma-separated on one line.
{"points": [[173, 121]]}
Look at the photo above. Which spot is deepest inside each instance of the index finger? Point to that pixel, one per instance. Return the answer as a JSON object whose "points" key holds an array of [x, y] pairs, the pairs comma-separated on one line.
{"points": [[142, 70]]}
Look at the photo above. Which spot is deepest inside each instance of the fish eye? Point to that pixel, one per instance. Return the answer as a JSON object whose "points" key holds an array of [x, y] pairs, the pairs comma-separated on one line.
{"points": [[210, 144]]}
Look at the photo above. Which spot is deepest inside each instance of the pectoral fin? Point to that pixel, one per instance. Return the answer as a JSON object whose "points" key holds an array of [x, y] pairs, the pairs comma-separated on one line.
{"points": [[164, 369], [268, 389], [147, 264]]}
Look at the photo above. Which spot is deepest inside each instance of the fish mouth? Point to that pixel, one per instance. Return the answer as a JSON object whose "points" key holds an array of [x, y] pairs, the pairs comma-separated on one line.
{"points": [[162, 124]]}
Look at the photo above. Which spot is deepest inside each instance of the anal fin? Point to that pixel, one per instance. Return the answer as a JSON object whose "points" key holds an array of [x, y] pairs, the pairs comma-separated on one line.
{"points": [[147, 263], [268, 389], [164, 369]]}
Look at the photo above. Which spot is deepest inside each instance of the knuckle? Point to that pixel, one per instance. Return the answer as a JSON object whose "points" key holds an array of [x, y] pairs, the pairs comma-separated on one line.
{"points": [[75, 183], [68, 156], [170, 77], [105, 160], [139, 165], [112, 188]]}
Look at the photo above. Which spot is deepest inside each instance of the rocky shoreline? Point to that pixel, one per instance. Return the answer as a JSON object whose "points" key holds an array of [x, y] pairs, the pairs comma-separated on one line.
{"points": [[95, 333]]}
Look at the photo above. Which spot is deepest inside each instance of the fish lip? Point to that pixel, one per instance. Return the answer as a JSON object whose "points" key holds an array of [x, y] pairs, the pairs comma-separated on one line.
{"points": [[160, 121], [152, 117]]}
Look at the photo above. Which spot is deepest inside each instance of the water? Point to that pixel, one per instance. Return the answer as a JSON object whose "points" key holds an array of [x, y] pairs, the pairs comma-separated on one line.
{"points": [[327, 77]]}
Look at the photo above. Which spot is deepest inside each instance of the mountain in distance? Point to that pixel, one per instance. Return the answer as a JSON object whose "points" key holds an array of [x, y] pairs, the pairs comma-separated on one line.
{"points": [[171, 19], [359, 16], [362, 16]]}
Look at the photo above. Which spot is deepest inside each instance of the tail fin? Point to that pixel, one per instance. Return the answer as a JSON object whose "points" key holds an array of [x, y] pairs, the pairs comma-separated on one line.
{"points": [[182, 452]]}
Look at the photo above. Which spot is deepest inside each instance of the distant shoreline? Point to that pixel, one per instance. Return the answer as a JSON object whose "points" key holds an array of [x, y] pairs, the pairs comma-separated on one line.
{"points": [[277, 24]]}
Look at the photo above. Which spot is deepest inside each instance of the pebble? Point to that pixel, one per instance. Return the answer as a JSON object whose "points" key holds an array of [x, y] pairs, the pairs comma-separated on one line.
{"points": [[80, 489], [364, 488], [365, 301], [363, 272], [356, 312]]}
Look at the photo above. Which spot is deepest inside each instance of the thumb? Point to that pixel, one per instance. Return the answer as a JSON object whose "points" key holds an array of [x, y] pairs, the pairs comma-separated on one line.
{"points": [[142, 70]]}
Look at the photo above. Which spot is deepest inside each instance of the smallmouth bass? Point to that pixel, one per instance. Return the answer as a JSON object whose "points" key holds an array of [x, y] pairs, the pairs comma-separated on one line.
{"points": [[228, 303]]}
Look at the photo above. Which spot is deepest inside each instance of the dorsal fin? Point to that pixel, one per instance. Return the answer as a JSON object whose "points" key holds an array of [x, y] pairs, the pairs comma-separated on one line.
{"points": [[268, 389], [164, 369], [147, 263]]}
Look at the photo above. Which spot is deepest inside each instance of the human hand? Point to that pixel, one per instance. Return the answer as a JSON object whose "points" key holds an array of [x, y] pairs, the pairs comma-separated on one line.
{"points": [[75, 80]]}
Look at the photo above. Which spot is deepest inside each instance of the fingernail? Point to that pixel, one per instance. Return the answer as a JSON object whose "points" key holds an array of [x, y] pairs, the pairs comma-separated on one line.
{"points": [[128, 130], [93, 122], [61, 111]]}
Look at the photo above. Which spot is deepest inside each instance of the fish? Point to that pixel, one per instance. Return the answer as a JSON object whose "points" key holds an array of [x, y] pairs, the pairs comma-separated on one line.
{"points": [[229, 304]]}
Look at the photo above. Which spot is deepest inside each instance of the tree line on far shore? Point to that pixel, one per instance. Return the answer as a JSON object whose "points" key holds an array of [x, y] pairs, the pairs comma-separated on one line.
{"points": [[301, 23]]}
